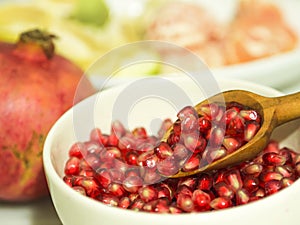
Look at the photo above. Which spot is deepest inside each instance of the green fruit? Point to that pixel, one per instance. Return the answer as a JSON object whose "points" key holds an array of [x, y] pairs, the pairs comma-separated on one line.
{"points": [[93, 12]]}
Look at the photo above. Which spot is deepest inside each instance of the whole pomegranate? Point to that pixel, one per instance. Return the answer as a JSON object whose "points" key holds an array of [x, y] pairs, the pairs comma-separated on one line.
{"points": [[36, 88]]}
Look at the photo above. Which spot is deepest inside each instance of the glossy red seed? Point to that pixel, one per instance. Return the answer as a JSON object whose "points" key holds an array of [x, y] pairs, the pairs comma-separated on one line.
{"points": [[242, 197], [205, 182], [201, 200], [132, 184], [250, 131], [72, 166], [189, 123], [168, 166], [286, 182], [137, 204], [124, 202], [80, 190], [109, 199], [103, 176], [268, 176], [224, 190], [273, 159], [116, 189], [163, 150], [220, 203], [253, 169], [250, 114], [234, 179], [140, 132], [231, 144], [186, 112], [210, 110], [77, 150], [185, 202], [251, 183], [192, 163], [148, 193], [272, 186]]}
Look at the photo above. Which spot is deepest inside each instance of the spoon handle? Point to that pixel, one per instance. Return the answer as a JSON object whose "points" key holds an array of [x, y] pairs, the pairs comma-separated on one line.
{"points": [[287, 108]]}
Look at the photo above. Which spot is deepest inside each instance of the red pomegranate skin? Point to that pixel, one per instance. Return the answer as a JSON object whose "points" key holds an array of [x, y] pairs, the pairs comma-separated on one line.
{"points": [[35, 91]]}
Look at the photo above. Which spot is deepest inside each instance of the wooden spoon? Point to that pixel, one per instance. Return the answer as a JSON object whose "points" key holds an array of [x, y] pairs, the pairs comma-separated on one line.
{"points": [[274, 111]]}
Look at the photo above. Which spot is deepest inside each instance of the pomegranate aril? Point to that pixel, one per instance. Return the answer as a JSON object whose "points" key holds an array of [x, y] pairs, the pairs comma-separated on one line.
{"points": [[204, 125], [192, 163], [137, 204], [183, 190], [273, 159], [148, 193], [201, 200], [250, 114], [272, 186], [253, 169], [268, 176], [233, 178], [132, 184], [77, 150], [205, 182], [285, 171], [72, 166], [103, 177], [109, 199], [224, 190], [286, 182], [186, 112], [163, 150], [251, 183], [231, 144], [242, 197], [124, 202], [91, 186], [180, 152], [216, 136], [185, 202], [250, 131], [116, 189], [220, 203], [168, 166], [190, 182], [210, 110], [131, 157], [80, 190], [140, 132]]}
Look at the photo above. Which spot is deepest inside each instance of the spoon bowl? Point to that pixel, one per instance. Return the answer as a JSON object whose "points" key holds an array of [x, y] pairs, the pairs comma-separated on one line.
{"points": [[274, 111]]}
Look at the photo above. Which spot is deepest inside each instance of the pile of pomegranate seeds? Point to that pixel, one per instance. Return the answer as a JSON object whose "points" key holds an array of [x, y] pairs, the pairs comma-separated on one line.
{"points": [[124, 168]]}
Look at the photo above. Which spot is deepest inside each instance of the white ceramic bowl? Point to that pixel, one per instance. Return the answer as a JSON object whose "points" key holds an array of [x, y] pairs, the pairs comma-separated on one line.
{"points": [[75, 209]]}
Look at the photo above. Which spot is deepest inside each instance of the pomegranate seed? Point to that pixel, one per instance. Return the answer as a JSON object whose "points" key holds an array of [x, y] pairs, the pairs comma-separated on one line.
{"points": [[192, 163], [124, 202], [233, 178], [251, 115], [210, 110], [242, 197], [109, 200], [163, 150], [217, 137], [68, 180], [103, 177], [224, 190], [91, 186], [272, 146], [253, 169], [201, 200], [80, 190], [72, 166], [189, 123], [273, 159], [77, 150], [251, 183], [285, 171], [131, 158], [272, 186], [236, 126], [140, 132], [151, 176], [148, 193], [168, 166], [250, 131], [190, 182], [116, 189], [180, 152], [268, 176], [205, 182], [185, 202], [126, 143], [285, 182], [287, 154], [186, 112], [183, 190], [230, 114], [204, 125], [220, 203], [137, 205], [231, 144], [132, 184]]}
